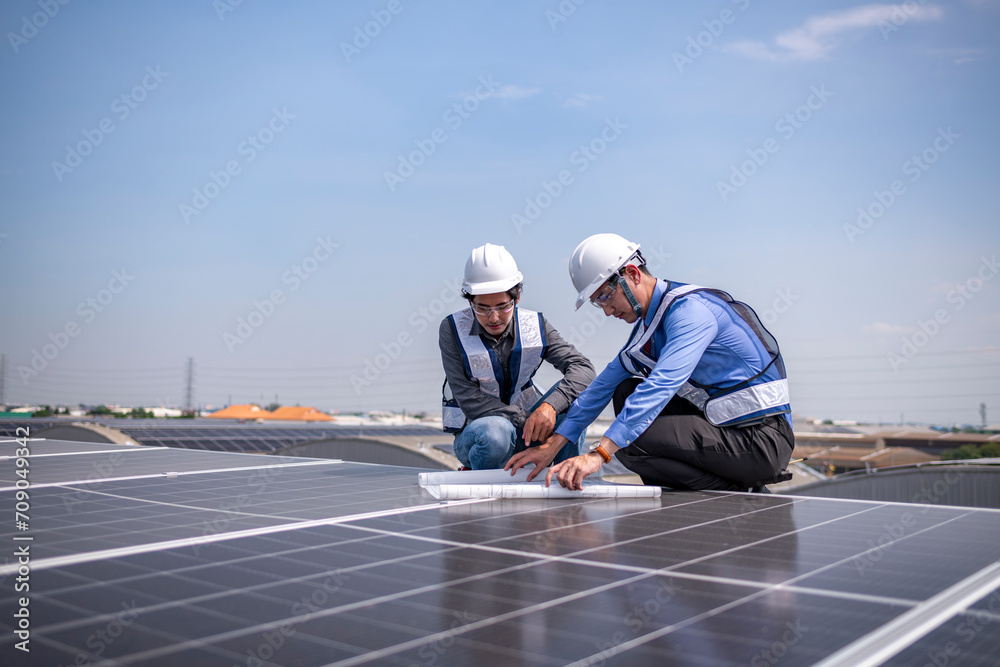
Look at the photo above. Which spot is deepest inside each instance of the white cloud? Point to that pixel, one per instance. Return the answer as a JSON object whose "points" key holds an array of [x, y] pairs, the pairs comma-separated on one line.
{"points": [[580, 100], [512, 92], [959, 56], [883, 329], [820, 35]]}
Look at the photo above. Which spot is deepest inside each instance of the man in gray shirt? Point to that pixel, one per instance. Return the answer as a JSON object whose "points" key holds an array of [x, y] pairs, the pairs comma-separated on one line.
{"points": [[490, 352]]}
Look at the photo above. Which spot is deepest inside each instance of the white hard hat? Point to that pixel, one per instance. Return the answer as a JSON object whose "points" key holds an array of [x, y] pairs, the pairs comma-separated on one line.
{"points": [[596, 259], [490, 269]]}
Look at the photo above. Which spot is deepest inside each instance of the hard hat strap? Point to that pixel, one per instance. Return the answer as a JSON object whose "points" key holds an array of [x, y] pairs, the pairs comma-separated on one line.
{"points": [[631, 298], [625, 288]]}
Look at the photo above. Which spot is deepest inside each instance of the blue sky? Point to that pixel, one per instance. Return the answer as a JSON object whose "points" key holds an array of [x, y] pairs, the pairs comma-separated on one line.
{"points": [[272, 163]]}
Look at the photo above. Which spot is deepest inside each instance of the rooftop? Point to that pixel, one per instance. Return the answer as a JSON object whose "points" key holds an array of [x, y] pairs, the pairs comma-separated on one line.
{"points": [[165, 556]]}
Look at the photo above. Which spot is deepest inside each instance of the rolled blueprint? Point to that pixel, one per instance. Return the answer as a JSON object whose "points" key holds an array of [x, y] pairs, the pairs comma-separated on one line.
{"points": [[498, 483], [539, 490], [492, 476]]}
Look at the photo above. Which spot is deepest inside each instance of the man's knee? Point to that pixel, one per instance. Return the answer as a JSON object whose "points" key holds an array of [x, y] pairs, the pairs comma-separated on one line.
{"points": [[493, 429], [488, 442]]}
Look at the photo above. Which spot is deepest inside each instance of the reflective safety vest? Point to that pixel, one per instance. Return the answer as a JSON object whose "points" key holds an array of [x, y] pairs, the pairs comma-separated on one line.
{"points": [[483, 366], [745, 403]]}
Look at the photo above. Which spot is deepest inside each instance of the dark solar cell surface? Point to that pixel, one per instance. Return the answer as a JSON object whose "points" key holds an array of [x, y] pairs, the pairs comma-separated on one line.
{"points": [[347, 563], [9, 427], [262, 439], [128, 461], [211, 435], [55, 447]]}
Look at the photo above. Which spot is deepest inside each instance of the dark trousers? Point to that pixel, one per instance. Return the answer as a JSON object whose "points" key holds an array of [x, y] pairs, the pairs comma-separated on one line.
{"points": [[682, 450]]}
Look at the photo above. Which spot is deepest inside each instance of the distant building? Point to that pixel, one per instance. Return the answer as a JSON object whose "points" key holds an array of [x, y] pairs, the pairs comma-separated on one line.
{"points": [[241, 412], [846, 458], [298, 413], [165, 412]]}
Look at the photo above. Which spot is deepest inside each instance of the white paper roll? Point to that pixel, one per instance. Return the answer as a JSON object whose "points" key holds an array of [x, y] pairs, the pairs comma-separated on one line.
{"points": [[492, 476], [539, 490]]}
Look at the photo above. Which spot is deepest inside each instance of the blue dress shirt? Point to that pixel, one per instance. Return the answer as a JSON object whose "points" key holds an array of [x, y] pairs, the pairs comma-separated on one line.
{"points": [[700, 338]]}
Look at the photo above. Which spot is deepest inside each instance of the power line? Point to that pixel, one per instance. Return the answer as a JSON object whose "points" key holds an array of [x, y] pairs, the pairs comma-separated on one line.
{"points": [[883, 356], [415, 382], [318, 369], [172, 369], [890, 397], [796, 383], [886, 411], [909, 369]]}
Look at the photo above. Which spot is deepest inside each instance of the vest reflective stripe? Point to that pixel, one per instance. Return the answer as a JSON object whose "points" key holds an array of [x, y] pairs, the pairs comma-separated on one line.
{"points": [[747, 404], [632, 357], [528, 350], [452, 418], [482, 365], [755, 398], [478, 364]]}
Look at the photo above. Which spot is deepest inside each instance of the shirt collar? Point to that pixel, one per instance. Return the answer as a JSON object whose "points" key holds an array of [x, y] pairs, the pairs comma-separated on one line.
{"points": [[654, 301]]}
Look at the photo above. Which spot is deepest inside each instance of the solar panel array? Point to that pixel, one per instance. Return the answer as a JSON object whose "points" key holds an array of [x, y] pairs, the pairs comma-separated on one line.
{"points": [[150, 556], [226, 438], [9, 427], [261, 438], [211, 435]]}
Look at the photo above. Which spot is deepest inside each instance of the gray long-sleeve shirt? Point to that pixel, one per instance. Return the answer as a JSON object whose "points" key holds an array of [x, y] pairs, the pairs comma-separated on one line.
{"points": [[577, 371]]}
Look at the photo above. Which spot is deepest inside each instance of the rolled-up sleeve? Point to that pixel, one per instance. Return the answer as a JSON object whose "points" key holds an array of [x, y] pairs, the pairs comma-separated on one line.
{"points": [[577, 370], [690, 329]]}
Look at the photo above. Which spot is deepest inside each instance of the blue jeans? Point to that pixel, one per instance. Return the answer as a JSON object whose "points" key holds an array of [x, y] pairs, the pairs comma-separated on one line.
{"points": [[489, 442]]}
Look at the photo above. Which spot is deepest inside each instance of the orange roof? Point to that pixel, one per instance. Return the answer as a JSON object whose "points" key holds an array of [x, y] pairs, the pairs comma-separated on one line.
{"points": [[241, 412], [296, 413]]}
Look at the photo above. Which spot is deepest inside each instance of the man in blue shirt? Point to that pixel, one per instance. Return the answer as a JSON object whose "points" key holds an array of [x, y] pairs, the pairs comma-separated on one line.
{"points": [[699, 390]]}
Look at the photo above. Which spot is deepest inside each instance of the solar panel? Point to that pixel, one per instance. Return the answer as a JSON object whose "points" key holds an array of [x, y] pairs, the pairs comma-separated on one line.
{"points": [[253, 560], [57, 448], [211, 436], [92, 466], [14, 428]]}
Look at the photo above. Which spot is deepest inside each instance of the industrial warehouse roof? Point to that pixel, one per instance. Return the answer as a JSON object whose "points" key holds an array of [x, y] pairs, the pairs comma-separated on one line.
{"points": [[860, 457], [156, 556], [873, 436], [968, 483]]}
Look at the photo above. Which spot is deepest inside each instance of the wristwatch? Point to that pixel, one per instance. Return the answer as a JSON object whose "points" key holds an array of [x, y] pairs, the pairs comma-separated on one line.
{"points": [[599, 448]]}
